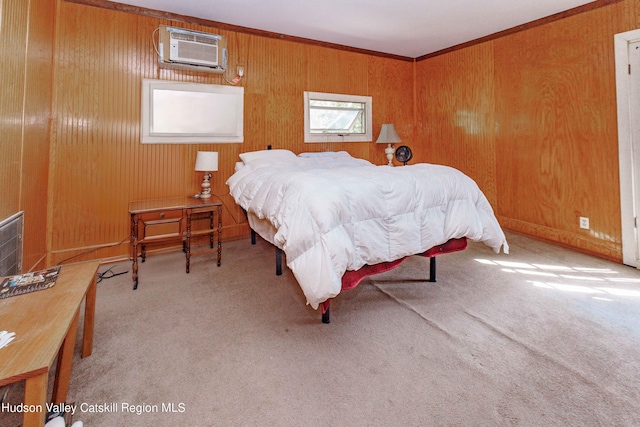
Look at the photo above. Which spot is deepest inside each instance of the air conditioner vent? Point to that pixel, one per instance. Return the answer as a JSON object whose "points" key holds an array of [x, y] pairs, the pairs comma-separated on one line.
{"points": [[194, 38], [198, 52], [179, 47]]}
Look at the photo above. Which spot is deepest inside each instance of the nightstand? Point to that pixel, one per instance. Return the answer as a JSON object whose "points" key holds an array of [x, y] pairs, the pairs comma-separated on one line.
{"points": [[170, 220]]}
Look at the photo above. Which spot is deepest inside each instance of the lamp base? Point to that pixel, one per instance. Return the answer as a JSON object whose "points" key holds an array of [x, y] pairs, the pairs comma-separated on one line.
{"points": [[206, 187], [389, 151]]}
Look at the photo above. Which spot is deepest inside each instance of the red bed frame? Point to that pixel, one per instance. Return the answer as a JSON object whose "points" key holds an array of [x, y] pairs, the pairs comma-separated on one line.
{"points": [[351, 279]]}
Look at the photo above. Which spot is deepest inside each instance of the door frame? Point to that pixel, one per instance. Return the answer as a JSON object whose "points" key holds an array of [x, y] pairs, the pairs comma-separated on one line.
{"points": [[625, 147]]}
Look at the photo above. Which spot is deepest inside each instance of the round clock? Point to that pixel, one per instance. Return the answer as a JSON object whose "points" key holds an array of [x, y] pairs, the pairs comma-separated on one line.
{"points": [[403, 154]]}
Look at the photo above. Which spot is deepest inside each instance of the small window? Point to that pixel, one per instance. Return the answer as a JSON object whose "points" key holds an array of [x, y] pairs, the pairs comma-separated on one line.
{"points": [[331, 117]]}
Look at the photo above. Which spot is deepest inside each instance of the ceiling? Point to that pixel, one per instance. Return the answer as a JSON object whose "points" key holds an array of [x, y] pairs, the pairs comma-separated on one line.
{"points": [[410, 28]]}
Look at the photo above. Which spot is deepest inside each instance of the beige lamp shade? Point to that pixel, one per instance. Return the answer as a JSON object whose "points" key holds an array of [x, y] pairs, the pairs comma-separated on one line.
{"points": [[207, 161], [388, 135]]}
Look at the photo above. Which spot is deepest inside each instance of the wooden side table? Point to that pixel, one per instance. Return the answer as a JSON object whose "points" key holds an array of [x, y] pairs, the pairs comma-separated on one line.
{"points": [[46, 323], [172, 219], [199, 213]]}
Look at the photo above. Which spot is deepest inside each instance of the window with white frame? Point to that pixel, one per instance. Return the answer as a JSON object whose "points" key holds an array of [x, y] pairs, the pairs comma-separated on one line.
{"points": [[332, 117]]}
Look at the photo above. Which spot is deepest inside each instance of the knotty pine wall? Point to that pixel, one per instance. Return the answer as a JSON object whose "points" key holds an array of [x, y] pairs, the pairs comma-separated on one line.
{"points": [[97, 162], [532, 118]]}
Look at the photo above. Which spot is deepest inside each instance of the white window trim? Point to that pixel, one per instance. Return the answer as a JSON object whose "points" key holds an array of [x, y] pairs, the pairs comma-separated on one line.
{"points": [[316, 138], [235, 113], [630, 240]]}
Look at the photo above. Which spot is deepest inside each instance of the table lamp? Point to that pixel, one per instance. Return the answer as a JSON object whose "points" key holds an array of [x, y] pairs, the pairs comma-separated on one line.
{"points": [[207, 162], [388, 135]]}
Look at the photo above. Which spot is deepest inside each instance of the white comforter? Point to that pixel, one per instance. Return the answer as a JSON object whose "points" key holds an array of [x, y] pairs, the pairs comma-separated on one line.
{"points": [[338, 214]]}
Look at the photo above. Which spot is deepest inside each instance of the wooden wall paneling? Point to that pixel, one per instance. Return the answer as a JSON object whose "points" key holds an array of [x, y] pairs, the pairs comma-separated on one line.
{"points": [[37, 114], [455, 114], [337, 71], [93, 159], [391, 86], [26, 34], [630, 12], [557, 139], [255, 83], [549, 92], [284, 69], [13, 36]]}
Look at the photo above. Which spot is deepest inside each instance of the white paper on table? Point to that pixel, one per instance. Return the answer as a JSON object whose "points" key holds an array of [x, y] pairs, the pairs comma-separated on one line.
{"points": [[6, 337]]}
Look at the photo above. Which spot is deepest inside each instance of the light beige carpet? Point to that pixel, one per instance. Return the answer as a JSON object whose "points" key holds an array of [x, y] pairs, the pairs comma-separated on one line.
{"points": [[542, 337]]}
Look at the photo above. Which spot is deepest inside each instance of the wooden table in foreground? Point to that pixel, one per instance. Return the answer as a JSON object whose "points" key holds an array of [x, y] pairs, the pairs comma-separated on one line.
{"points": [[46, 325]]}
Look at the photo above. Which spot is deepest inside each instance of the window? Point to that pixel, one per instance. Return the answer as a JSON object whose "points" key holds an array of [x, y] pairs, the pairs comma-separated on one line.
{"points": [[176, 112], [331, 117]]}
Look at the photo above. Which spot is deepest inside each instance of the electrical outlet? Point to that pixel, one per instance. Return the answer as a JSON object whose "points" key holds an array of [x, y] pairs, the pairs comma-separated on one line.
{"points": [[240, 70], [584, 222]]}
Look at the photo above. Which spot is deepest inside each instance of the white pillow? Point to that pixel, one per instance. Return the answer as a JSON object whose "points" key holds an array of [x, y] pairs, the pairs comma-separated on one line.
{"points": [[267, 154], [332, 154], [268, 162]]}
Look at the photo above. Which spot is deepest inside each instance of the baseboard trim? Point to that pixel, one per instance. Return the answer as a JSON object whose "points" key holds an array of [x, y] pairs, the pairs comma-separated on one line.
{"points": [[583, 243], [117, 251]]}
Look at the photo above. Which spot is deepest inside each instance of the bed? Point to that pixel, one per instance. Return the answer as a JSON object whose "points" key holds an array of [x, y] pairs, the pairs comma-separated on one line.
{"points": [[332, 214]]}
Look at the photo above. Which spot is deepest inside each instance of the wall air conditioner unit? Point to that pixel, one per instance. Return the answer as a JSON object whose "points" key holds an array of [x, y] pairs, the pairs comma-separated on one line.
{"points": [[191, 50]]}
